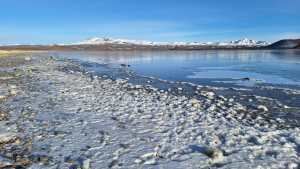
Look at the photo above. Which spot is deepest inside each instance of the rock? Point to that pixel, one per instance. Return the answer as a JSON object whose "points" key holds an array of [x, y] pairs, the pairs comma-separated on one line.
{"points": [[263, 108], [292, 166], [86, 164], [212, 108], [2, 97], [138, 161], [7, 138], [255, 140], [12, 86], [209, 95], [150, 162], [13, 92], [3, 115], [195, 103], [215, 154], [40, 158], [5, 163], [113, 163], [121, 81], [222, 98], [80, 163], [28, 58], [148, 159], [148, 156]]}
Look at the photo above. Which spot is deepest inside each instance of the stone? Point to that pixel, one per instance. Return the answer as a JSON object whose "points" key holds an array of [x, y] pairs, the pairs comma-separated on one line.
{"points": [[27, 58], [150, 162], [3, 115], [2, 97], [86, 164], [263, 108], [5, 163], [7, 138], [13, 92], [195, 103], [292, 166], [138, 161], [215, 154]]}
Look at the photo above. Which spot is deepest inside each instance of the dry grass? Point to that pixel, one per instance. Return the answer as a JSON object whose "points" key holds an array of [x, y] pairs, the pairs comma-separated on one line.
{"points": [[4, 53]]}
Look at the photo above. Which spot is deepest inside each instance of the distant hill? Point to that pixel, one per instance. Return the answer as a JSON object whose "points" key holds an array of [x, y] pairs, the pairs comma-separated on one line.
{"points": [[286, 44]]}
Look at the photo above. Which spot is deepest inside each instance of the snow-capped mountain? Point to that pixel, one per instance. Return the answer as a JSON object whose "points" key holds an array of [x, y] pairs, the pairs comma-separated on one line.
{"points": [[242, 42], [101, 41], [248, 42]]}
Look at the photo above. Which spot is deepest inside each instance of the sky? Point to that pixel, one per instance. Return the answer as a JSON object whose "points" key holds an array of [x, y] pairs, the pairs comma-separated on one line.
{"points": [[67, 21]]}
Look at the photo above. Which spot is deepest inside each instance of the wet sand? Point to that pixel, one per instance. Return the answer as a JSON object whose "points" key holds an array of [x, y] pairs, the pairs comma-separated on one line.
{"points": [[55, 114]]}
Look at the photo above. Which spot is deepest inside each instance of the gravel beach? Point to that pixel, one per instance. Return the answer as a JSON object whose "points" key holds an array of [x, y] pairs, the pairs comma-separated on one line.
{"points": [[56, 115]]}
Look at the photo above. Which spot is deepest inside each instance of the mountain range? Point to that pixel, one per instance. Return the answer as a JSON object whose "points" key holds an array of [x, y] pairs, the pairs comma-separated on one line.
{"points": [[96, 44], [102, 41]]}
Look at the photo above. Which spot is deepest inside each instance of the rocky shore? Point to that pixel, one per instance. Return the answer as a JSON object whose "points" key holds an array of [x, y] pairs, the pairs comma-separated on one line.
{"points": [[54, 114]]}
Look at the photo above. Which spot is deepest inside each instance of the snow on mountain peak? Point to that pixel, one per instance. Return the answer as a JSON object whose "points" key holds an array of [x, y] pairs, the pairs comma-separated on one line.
{"points": [[248, 42], [99, 41]]}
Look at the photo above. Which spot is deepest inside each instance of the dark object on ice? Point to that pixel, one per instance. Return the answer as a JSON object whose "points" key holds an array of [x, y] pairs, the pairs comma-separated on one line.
{"points": [[124, 65], [245, 79]]}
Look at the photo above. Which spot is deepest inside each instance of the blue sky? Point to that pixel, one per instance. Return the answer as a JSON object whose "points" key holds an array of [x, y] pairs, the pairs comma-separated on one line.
{"points": [[64, 21]]}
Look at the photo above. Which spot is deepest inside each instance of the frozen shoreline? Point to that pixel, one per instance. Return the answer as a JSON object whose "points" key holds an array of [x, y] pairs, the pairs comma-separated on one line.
{"points": [[68, 119]]}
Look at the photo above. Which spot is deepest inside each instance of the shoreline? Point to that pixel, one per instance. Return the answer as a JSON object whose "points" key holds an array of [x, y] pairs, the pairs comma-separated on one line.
{"points": [[62, 116]]}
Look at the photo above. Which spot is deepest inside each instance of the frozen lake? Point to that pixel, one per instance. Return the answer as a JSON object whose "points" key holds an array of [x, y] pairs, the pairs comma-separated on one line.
{"points": [[212, 67]]}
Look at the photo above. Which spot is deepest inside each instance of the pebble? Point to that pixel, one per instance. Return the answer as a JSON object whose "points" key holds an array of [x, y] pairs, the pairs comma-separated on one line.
{"points": [[7, 138], [138, 161], [292, 166], [86, 164], [28, 58], [3, 115], [209, 95], [13, 92], [263, 108], [195, 103], [215, 154], [2, 97], [5, 163], [150, 162]]}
